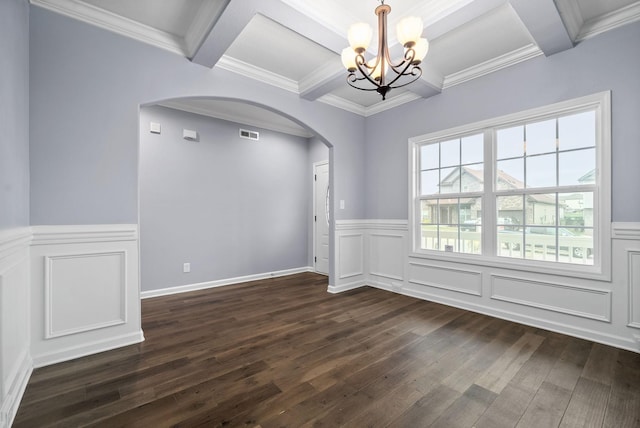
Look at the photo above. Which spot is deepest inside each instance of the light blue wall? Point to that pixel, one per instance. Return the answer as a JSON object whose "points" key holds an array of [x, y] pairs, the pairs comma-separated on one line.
{"points": [[14, 114], [607, 62], [86, 87], [229, 206]]}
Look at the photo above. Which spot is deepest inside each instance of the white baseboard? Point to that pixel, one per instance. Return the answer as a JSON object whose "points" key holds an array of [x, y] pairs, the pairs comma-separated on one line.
{"points": [[85, 349], [335, 289], [222, 282], [12, 399]]}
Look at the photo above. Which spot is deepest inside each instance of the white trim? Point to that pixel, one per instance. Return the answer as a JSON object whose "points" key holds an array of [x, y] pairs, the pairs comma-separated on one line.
{"points": [[633, 288], [78, 234], [251, 71], [606, 317], [314, 180], [393, 102], [477, 292], [341, 103], [14, 240], [118, 24], [609, 21], [148, 294], [571, 16], [602, 271], [87, 348], [335, 289], [49, 333], [625, 230], [372, 224], [14, 393], [498, 63]]}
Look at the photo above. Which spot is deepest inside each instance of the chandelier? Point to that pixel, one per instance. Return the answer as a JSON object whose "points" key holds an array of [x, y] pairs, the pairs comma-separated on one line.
{"points": [[381, 72]]}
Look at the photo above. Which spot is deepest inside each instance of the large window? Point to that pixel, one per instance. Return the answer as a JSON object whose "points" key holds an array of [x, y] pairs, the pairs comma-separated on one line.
{"points": [[531, 188]]}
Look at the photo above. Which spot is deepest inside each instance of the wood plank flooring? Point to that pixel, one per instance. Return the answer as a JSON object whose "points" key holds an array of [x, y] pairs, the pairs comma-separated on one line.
{"points": [[285, 353]]}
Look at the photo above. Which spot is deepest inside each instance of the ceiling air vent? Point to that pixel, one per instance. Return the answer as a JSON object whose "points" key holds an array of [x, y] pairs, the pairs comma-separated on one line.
{"points": [[249, 135]]}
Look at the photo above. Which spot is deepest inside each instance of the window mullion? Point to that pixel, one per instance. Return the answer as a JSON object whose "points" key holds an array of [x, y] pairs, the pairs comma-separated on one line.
{"points": [[489, 200]]}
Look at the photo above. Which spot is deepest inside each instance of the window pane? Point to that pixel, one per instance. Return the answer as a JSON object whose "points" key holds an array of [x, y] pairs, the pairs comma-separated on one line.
{"points": [[450, 153], [429, 237], [577, 131], [510, 174], [540, 243], [429, 156], [473, 178], [576, 209], [577, 167], [429, 181], [541, 171], [510, 243], [541, 137], [510, 211], [510, 142], [449, 238], [541, 209], [472, 149], [429, 211], [448, 211], [576, 246], [450, 181]]}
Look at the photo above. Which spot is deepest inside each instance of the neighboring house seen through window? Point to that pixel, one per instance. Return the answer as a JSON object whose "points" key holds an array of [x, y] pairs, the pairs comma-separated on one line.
{"points": [[531, 187]]}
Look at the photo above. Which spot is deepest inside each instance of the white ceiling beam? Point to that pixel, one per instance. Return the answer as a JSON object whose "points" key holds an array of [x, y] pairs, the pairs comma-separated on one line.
{"points": [[442, 25], [543, 21], [323, 80], [237, 15], [429, 84]]}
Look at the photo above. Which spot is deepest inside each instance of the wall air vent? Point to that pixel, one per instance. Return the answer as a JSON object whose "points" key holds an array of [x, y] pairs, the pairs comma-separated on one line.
{"points": [[249, 135]]}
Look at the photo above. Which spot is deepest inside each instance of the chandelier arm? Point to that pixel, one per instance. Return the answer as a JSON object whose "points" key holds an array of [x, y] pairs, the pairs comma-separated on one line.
{"points": [[407, 62], [352, 79], [416, 72], [360, 62]]}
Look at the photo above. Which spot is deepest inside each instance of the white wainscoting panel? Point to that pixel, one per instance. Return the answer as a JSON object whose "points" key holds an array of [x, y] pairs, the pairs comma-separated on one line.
{"points": [[71, 278], [448, 278], [634, 288], [15, 359], [85, 292], [351, 248], [567, 299], [386, 255]]}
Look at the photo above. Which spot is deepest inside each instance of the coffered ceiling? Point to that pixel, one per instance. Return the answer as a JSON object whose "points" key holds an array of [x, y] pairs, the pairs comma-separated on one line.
{"points": [[296, 44]]}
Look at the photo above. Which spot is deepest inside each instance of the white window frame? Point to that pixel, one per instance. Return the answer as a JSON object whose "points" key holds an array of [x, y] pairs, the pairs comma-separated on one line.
{"points": [[601, 268]]}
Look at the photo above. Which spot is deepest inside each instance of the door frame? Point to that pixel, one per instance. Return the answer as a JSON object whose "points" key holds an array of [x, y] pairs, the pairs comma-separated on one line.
{"points": [[313, 213]]}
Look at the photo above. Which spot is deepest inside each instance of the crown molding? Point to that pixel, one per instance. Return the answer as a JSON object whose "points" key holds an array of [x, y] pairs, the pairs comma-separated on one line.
{"points": [[495, 64], [251, 71], [320, 75], [109, 21], [341, 103], [388, 104], [244, 120], [609, 21]]}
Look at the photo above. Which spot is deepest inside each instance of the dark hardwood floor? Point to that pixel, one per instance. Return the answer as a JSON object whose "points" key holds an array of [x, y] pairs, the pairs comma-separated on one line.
{"points": [[285, 353]]}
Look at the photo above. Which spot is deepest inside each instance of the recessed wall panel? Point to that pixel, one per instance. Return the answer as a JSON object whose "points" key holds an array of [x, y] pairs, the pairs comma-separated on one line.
{"points": [[84, 292], [579, 301], [448, 278]]}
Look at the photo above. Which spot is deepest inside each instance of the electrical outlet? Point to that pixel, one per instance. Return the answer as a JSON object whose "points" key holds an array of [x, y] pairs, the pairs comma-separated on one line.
{"points": [[186, 268]]}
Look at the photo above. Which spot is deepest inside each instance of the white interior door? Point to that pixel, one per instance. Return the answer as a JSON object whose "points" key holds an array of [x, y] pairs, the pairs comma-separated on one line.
{"points": [[321, 218]]}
